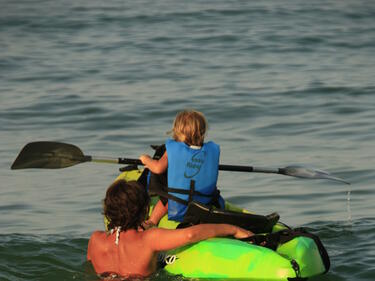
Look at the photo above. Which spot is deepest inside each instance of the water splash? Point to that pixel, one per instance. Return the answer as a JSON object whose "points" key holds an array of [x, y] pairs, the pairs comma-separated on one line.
{"points": [[348, 209]]}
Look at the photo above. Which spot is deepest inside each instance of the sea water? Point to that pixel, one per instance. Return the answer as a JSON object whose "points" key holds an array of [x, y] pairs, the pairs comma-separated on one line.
{"points": [[280, 82]]}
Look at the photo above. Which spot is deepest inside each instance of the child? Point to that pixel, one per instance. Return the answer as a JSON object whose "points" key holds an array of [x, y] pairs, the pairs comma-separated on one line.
{"points": [[128, 251], [192, 167]]}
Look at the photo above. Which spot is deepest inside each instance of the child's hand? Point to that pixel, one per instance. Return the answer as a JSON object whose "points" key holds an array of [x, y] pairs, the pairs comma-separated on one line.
{"points": [[144, 158], [242, 233], [154, 165]]}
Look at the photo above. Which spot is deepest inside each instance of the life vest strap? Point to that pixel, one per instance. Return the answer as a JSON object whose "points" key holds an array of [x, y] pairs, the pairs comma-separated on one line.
{"points": [[188, 192], [166, 193], [191, 190]]}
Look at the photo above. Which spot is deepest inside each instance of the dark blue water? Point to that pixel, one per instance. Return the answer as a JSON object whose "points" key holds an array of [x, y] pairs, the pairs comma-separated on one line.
{"points": [[280, 82]]}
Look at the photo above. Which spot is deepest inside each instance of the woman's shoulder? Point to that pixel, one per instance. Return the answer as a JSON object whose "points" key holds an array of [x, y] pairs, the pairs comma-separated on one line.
{"points": [[98, 234], [98, 237]]}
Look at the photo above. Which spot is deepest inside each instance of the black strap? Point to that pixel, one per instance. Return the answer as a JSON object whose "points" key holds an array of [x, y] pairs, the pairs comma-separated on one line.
{"points": [[170, 196], [189, 191]]}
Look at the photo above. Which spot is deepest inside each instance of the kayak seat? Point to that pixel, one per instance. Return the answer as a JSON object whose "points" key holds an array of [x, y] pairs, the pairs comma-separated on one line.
{"points": [[198, 213]]}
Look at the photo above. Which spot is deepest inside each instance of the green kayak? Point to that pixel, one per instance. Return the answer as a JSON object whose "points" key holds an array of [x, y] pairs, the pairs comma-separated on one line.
{"points": [[298, 257]]}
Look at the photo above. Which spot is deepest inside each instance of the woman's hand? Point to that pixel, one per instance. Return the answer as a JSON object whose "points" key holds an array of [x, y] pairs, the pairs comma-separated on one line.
{"points": [[242, 233]]}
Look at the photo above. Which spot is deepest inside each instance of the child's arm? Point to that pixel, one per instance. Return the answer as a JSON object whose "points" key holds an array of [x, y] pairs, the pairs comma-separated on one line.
{"points": [[155, 166], [159, 239], [158, 212]]}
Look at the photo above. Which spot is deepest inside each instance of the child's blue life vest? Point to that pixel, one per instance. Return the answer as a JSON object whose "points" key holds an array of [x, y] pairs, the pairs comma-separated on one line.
{"points": [[192, 176]]}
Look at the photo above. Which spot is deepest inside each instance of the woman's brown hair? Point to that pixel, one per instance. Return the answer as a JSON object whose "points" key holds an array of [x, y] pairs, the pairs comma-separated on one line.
{"points": [[126, 204], [190, 127]]}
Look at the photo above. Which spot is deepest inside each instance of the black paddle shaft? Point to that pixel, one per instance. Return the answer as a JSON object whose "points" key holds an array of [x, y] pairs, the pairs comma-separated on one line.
{"points": [[236, 168], [57, 155], [129, 161], [232, 168]]}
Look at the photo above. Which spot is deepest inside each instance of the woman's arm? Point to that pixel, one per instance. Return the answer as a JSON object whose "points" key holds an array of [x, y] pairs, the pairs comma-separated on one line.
{"points": [[155, 166], [159, 239]]}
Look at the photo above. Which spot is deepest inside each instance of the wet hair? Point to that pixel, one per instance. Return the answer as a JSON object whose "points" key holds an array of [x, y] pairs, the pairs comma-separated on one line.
{"points": [[190, 127], [126, 204]]}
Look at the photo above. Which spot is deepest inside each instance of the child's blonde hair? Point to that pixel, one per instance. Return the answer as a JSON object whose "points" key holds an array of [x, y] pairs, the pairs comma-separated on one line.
{"points": [[190, 127]]}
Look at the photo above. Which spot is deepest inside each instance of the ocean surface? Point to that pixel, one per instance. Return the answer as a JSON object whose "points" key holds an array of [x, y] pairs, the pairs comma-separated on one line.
{"points": [[280, 82]]}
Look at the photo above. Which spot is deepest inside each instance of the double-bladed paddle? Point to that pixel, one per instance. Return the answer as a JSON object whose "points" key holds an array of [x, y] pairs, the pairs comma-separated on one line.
{"points": [[56, 155]]}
